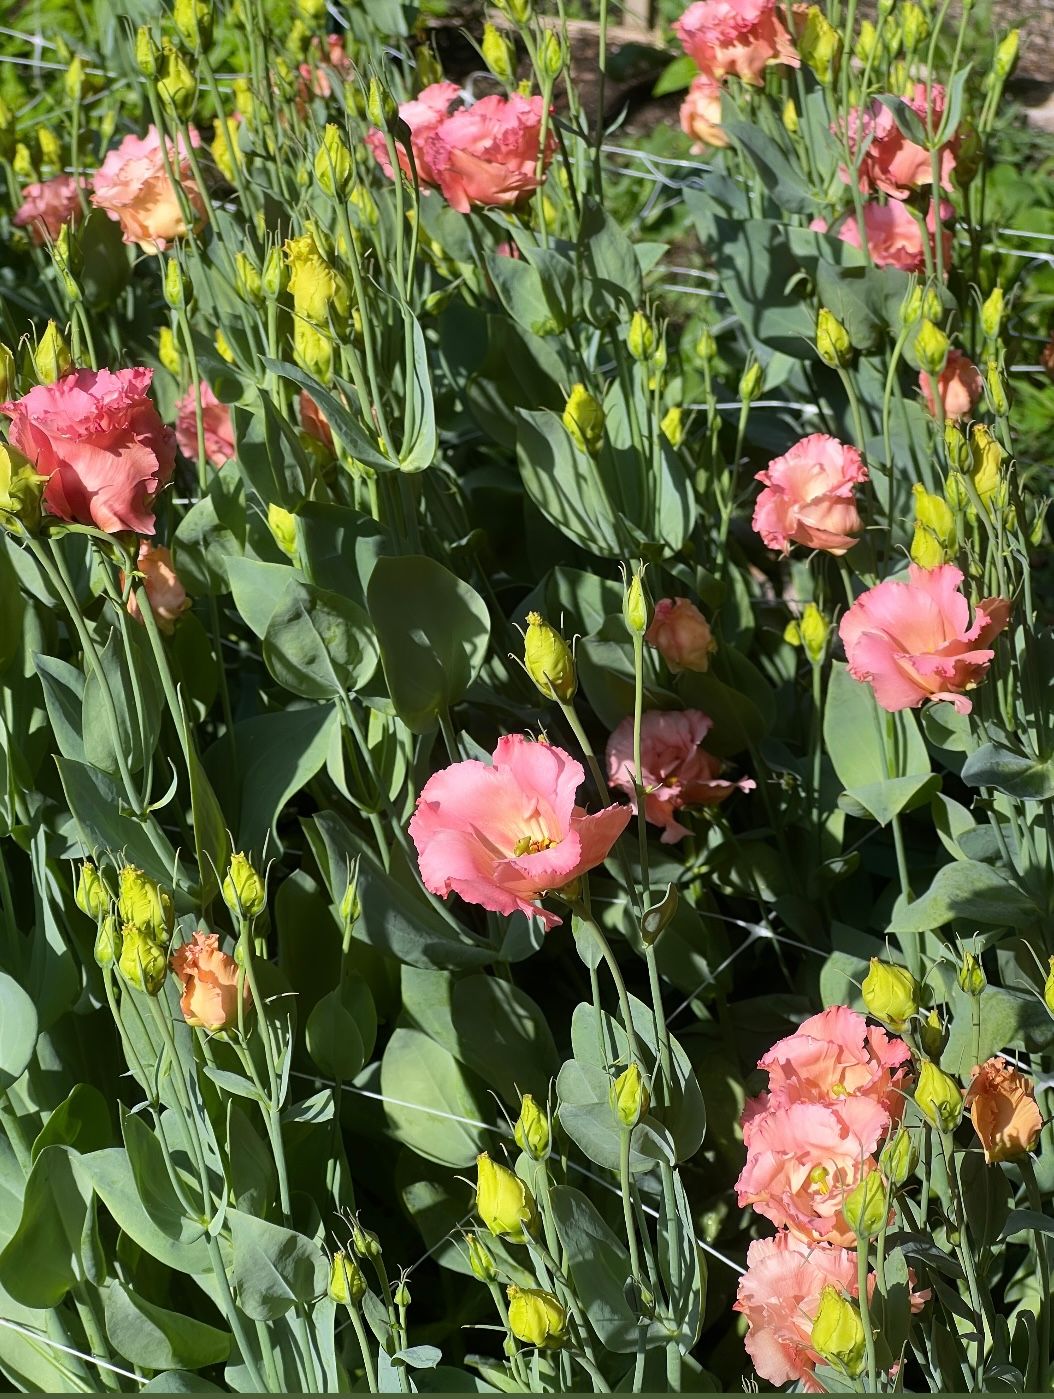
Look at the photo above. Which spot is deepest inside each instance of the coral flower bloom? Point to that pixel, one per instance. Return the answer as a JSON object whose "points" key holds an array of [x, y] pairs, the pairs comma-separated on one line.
{"points": [[210, 983], [165, 593], [959, 384], [1002, 1106], [47, 207], [487, 155], [809, 496], [681, 635], [133, 186], [215, 420], [741, 37]]}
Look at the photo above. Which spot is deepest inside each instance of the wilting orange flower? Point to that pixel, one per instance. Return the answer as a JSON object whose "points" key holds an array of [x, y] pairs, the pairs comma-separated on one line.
{"points": [[210, 983], [1002, 1105]]}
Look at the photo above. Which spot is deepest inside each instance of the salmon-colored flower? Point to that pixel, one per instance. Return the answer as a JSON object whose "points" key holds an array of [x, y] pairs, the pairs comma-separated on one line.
{"points": [[99, 440], [422, 115], [134, 188], [314, 422], [959, 384], [894, 238], [701, 114], [890, 161], [165, 593], [809, 496], [315, 73], [47, 207], [216, 421], [739, 37], [505, 834], [681, 634], [210, 984], [677, 772], [914, 640], [1001, 1101], [487, 155]]}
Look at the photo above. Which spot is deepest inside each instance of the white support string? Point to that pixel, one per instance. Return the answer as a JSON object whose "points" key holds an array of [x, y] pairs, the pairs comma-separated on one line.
{"points": [[45, 1340]]}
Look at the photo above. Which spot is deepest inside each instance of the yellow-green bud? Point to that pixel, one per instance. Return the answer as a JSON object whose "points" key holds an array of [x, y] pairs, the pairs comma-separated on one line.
{"points": [[168, 351], [498, 53], [350, 907], [911, 307], [193, 21], [147, 52], [142, 902], [223, 346], [1048, 987], [275, 277], [706, 346], [313, 349], [997, 394], [548, 659], [926, 549], [838, 1333], [932, 1035], [672, 426], [751, 382], [640, 339], [282, 524], [636, 607], [972, 979], [536, 1318], [629, 1097], [532, 1129], [551, 54], [958, 448], [50, 147], [52, 358], [364, 1241], [899, 1157], [1006, 54], [92, 896], [334, 167], [939, 1097], [890, 993], [866, 1208], [931, 347], [73, 79], [107, 942], [427, 67], [243, 889], [986, 461], [813, 630], [832, 340], [867, 41], [401, 1294], [175, 285], [175, 83], [914, 24], [8, 376], [22, 163], [820, 44], [381, 107], [21, 492], [503, 1201], [518, 10], [347, 1283], [584, 420], [247, 276], [933, 512], [790, 117], [992, 313], [142, 962], [480, 1259]]}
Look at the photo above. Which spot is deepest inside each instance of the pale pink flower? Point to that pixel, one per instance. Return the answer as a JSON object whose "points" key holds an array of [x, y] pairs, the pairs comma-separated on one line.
{"points": [[165, 593], [216, 420], [677, 772], [503, 835], [47, 207], [99, 440], [804, 1160], [891, 162], [134, 188], [701, 114], [914, 640], [959, 384], [894, 238], [809, 496], [739, 37], [487, 155], [422, 115], [681, 635]]}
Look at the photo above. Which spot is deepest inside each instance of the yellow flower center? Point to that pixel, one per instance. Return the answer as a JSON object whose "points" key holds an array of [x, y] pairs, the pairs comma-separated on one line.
{"points": [[819, 1177], [532, 845], [839, 1090]]}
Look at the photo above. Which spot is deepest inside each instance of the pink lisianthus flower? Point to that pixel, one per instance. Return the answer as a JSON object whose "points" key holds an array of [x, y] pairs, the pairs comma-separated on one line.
{"points": [[891, 162], [701, 114], [314, 422], [47, 207], [677, 772], [133, 186], [422, 115], [805, 1159], [894, 238], [99, 440], [216, 421], [487, 155], [165, 593], [809, 496], [914, 641], [504, 835], [738, 37], [314, 79], [830, 1057], [959, 384], [681, 635]]}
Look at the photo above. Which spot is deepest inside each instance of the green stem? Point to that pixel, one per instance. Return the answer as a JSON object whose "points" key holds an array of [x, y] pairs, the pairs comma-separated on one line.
{"points": [[865, 1315], [355, 1316], [615, 971]]}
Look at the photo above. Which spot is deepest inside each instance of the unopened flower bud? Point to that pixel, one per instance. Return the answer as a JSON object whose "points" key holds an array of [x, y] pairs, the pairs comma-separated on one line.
{"points": [[932, 1035], [926, 549], [8, 377], [73, 79], [790, 117], [21, 492], [381, 107], [820, 44], [518, 10], [275, 276], [147, 53], [911, 307], [672, 426], [532, 1129], [832, 340], [52, 358], [751, 382], [939, 1097], [350, 907], [282, 524], [50, 147], [548, 659], [142, 961], [986, 462], [706, 346], [480, 1259], [193, 21], [866, 1208], [364, 1241], [992, 313], [997, 395], [243, 889], [536, 1318], [401, 1294], [1006, 54], [142, 902], [838, 1333], [931, 347], [334, 167], [890, 993], [498, 53], [92, 896], [503, 1201], [972, 979], [224, 348], [168, 351], [636, 607], [107, 942], [175, 83], [813, 630], [899, 1157], [247, 277], [175, 285], [1048, 987], [958, 448], [347, 1283], [914, 24], [629, 1097], [584, 420], [640, 339]]}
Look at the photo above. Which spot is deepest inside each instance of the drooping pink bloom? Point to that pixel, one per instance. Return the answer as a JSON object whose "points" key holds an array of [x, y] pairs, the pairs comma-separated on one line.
{"points": [[677, 772], [830, 1057], [216, 421], [165, 593], [891, 162], [701, 114], [809, 496], [959, 384], [739, 37], [99, 440], [47, 207], [894, 238], [134, 188], [422, 115], [487, 155], [914, 640], [804, 1160], [681, 634], [502, 836]]}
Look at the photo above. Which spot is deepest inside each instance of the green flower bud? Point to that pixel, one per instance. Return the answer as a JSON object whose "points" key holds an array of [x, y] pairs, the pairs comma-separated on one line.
{"points": [[939, 1097], [92, 896], [866, 1208], [52, 359], [790, 117], [890, 993], [518, 10], [168, 351], [350, 908], [1048, 988], [820, 44], [706, 346], [548, 659], [536, 1318], [364, 1241], [347, 1282], [751, 382], [584, 420], [275, 277], [532, 1129], [972, 979], [926, 549], [914, 24], [480, 1259], [401, 1294], [931, 347], [334, 167], [21, 492], [986, 462], [934, 539], [832, 340], [503, 1201], [551, 54], [629, 1097], [899, 1157], [838, 1333], [867, 41], [193, 21], [147, 53], [1006, 54], [175, 83], [672, 427], [992, 313], [145, 904], [8, 377], [932, 1035], [247, 276], [107, 942], [175, 285], [636, 607], [813, 630], [498, 54], [997, 394], [243, 889], [73, 79], [381, 107], [640, 340], [958, 448], [142, 962]]}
